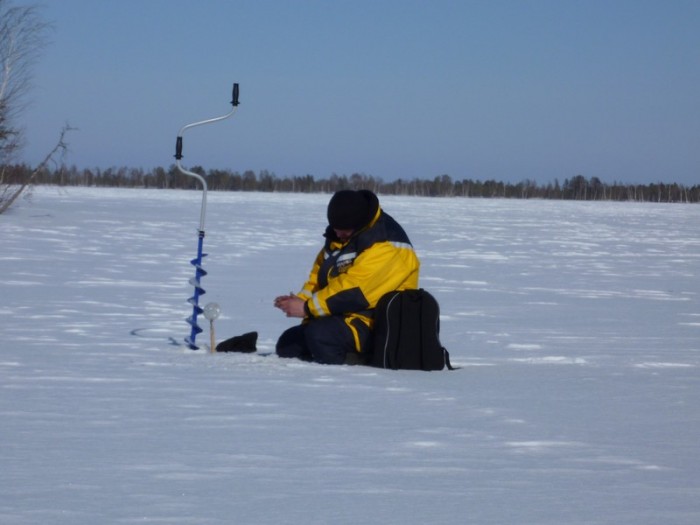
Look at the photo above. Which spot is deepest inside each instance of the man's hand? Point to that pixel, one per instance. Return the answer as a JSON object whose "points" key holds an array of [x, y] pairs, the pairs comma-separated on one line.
{"points": [[291, 305]]}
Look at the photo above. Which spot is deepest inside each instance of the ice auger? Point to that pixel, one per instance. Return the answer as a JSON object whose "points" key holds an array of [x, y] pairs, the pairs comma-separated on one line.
{"points": [[196, 281]]}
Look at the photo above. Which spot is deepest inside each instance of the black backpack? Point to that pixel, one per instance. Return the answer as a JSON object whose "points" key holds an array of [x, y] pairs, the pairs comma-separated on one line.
{"points": [[407, 332]]}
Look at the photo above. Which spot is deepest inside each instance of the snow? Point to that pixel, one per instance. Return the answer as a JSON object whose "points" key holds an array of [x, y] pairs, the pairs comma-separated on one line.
{"points": [[576, 327]]}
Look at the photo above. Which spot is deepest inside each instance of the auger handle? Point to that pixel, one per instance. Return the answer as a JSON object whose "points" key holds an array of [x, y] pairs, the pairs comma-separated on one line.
{"points": [[178, 148], [178, 152], [234, 100]]}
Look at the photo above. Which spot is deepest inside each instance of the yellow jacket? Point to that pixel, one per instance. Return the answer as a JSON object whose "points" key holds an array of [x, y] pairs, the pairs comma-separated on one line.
{"points": [[349, 278]]}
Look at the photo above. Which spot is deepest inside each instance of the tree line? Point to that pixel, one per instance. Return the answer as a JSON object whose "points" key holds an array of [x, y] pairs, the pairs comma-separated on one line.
{"points": [[575, 188]]}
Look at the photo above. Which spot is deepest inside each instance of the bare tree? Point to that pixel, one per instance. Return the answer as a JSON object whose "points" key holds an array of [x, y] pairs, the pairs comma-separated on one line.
{"points": [[22, 38], [9, 193]]}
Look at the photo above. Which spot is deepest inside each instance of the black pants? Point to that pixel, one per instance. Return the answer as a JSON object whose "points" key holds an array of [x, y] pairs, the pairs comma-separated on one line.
{"points": [[327, 340]]}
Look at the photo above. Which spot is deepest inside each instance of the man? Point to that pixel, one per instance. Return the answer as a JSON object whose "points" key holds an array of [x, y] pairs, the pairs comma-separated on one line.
{"points": [[366, 255]]}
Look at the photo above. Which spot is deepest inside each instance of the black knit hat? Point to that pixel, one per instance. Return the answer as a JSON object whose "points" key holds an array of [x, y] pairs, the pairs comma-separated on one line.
{"points": [[349, 210]]}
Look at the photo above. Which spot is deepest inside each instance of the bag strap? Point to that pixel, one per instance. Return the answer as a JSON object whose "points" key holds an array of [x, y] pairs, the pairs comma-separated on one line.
{"points": [[447, 360], [444, 350]]}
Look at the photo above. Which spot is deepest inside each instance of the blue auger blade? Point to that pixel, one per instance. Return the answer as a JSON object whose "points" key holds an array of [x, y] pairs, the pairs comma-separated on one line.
{"points": [[197, 285], [193, 323], [201, 272], [198, 309], [197, 262], [198, 291]]}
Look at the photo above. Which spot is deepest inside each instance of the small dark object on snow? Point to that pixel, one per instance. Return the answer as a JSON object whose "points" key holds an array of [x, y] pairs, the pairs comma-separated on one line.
{"points": [[241, 343]]}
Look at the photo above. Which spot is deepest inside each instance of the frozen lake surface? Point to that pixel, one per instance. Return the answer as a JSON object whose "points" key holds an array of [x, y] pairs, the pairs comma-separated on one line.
{"points": [[576, 326]]}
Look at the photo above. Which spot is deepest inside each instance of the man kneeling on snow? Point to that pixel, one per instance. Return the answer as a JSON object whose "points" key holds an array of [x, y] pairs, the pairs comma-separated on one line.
{"points": [[366, 255]]}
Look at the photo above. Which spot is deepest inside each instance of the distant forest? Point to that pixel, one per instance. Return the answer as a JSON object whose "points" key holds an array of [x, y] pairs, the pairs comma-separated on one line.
{"points": [[575, 188]]}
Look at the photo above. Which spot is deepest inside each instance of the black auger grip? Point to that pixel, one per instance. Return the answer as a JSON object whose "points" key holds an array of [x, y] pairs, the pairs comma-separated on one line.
{"points": [[234, 101], [178, 148]]}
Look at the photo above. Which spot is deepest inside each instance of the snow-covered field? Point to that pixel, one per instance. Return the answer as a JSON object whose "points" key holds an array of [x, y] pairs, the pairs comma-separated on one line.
{"points": [[576, 326]]}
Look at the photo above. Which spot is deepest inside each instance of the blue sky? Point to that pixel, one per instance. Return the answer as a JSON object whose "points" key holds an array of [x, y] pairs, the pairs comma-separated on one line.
{"points": [[506, 90]]}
